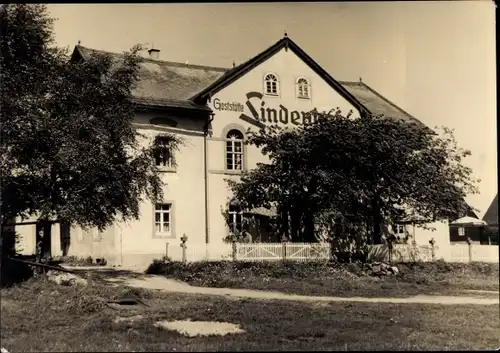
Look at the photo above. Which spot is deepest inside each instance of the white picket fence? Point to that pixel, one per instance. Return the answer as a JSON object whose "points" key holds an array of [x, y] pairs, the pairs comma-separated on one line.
{"points": [[282, 251], [321, 252]]}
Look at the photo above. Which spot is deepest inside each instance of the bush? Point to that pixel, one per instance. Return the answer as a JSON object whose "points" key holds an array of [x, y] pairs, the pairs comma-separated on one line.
{"points": [[225, 273], [217, 273], [80, 261], [13, 272]]}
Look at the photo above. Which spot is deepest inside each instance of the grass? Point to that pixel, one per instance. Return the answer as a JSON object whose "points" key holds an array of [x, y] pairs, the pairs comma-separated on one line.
{"points": [[41, 316], [336, 279], [80, 261]]}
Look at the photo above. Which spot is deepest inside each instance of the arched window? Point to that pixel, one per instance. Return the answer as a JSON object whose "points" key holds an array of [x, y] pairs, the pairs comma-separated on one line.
{"points": [[234, 150], [303, 88], [271, 85]]}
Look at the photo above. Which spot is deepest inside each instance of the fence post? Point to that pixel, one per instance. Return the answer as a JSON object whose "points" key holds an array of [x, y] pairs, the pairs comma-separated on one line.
{"points": [[184, 239], [433, 250], [469, 243], [235, 249], [283, 246], [89, 280]]}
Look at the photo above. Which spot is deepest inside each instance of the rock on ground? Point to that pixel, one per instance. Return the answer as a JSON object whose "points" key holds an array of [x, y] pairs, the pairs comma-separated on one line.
{"points": [[64, 278]]}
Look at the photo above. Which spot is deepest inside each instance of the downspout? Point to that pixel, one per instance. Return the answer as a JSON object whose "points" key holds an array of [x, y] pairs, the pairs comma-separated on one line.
{"points": [[205, 170]]}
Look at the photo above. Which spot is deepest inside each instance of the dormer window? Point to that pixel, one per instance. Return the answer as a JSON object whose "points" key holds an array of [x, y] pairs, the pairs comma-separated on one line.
{"points": [[271, 85], [303, 89]]}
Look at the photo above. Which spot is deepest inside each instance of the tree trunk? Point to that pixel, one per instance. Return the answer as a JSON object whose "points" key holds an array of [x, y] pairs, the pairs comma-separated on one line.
{"points": [[377, 221], [309, 236], [43, 238], [8, 235], [294, 225], [283, 220]]}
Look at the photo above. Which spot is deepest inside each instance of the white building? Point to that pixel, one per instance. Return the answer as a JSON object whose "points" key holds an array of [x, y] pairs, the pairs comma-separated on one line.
{"points": [[211, 109]]}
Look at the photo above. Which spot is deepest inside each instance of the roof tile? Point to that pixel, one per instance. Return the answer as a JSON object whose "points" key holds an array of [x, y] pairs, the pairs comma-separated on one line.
{"points": [[172, 84]]}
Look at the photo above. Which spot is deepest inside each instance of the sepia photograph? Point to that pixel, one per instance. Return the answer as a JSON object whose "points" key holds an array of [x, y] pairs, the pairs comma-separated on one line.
{"points": [[261, 176]]}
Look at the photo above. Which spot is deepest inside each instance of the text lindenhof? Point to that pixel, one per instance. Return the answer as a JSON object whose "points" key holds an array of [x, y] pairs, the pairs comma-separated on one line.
{"points": [[269, 115]]}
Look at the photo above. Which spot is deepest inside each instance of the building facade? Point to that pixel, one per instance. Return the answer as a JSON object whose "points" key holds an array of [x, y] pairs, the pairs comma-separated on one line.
{"points": [[211, 110]]}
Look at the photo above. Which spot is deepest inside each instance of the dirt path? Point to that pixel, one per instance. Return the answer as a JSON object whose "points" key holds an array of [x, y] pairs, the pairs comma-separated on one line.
{"points": [[169, 285]]}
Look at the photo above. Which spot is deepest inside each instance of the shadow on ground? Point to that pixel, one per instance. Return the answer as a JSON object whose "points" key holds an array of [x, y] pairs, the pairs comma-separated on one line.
{"points": [[110, 275]]}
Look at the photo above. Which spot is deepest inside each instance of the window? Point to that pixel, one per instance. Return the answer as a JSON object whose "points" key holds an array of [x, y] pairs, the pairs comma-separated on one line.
{"points": [[234, 150], [235, 221], [303, 88], [461, 231], [163, 152], [271, 85], [398, 228], [163, 219]]}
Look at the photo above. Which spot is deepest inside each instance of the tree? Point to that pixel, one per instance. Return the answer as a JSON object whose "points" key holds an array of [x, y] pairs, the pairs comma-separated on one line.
{"points": [[68, 149], [367, 172]]}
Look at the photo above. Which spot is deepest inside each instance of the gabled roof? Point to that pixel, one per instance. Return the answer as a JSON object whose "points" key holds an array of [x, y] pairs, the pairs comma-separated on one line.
{"points": [[288, 44], [491, 215], [164, 83], [376, 103]]}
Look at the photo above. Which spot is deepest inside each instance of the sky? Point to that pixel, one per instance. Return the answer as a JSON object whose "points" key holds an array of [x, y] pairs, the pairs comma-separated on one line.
{"points": [[436, 60]]}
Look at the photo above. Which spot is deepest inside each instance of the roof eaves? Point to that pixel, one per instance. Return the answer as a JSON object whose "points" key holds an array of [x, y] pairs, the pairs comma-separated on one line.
{"points": [[169, 104], [389, 102]]}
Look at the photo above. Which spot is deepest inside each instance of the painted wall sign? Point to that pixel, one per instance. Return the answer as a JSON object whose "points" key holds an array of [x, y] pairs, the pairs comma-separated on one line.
{"points": [[273, 116], [260, 114], [228, 106]]}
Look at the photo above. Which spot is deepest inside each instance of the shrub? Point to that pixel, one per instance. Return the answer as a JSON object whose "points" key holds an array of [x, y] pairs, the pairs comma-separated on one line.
{"points": [[226, 273], [81, 261], [13, 272]]}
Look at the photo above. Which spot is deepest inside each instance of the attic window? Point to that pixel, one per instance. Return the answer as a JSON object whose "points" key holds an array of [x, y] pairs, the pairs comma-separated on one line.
{"points": [[303, 88], [163, 121], [271, 85]]}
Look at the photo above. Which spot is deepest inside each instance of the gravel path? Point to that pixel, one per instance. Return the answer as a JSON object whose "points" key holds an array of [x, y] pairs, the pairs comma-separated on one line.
{"points": [[140, 280], [169, 285]]}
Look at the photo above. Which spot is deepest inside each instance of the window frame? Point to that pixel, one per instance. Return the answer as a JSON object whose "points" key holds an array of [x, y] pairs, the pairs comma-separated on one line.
{"points": [[461, 231], [233, 143], [298, 86], [397, 227], [276, 83], [171, 221], [232, 222], [163, 149]]}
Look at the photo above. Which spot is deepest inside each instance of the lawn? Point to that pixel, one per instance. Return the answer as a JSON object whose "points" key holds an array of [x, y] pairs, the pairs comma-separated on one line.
{"points": [[42, 316], [334, 279]]}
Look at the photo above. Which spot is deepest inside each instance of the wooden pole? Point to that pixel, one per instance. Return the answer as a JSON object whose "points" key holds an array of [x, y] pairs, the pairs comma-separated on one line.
{"points": [[469, 243], [235, 248], [184, 239], [433, 249], [89, 280], [121, 249]]}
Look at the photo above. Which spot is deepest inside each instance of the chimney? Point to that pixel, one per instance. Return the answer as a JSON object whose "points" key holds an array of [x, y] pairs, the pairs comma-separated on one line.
{"points": [[154, 53]]}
